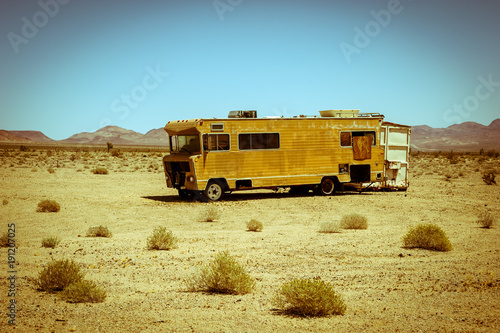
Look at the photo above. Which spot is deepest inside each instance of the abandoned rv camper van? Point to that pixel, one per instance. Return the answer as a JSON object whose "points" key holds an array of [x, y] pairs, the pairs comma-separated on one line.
{"points": [[336, 150]]}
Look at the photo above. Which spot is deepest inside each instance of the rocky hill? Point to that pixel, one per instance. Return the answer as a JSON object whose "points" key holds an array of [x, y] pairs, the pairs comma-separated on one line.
{"points": [[468, 136], [23, 136]]}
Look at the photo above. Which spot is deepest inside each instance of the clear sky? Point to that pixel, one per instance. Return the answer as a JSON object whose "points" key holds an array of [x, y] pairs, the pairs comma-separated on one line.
{"points": [[73, 66]]}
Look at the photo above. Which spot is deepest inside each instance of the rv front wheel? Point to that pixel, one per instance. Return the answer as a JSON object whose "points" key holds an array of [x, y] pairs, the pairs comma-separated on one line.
{"points": [[327, 186], [214, 191]]}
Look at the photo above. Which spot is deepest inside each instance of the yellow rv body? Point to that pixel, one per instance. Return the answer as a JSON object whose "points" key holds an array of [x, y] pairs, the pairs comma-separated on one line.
{"points": [[215, 156]]}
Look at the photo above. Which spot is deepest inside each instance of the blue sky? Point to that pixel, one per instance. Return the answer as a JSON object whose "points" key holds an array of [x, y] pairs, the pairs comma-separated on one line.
{"points": [[73, 66]]}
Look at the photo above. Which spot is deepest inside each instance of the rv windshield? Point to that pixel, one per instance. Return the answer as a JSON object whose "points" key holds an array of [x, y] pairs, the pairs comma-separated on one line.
{"points": [[185, 144]]}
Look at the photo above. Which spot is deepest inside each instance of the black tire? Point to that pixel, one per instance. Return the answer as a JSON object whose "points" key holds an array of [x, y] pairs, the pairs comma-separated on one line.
{"points": [[214, 191], [327, 187]]}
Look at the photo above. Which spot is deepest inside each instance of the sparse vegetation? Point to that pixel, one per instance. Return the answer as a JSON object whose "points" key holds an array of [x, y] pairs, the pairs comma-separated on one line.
{"points": [[489, 177], [99, 171], [84, 292], [329, 227], [116, 153], [354, 221], [486, 220], [254, 225], [210, 214], [58, 275], [49, 206], [4, 240], [161, 239], [222, 275], [51, 241], [427, 236], [5, 202], [50, 170], [309, 297], [100, 231]]}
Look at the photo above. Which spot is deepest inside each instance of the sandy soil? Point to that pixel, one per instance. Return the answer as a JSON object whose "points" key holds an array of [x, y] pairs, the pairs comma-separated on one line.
{"points": [[386, 287]]}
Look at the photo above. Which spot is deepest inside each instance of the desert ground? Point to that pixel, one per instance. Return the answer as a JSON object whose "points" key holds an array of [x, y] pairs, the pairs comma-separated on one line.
{"points": [[387, 288]]}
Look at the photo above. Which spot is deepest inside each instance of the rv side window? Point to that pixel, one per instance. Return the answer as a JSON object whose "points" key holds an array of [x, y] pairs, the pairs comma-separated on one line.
{"points": [[346, 137], [215, 142], [259, 141]]}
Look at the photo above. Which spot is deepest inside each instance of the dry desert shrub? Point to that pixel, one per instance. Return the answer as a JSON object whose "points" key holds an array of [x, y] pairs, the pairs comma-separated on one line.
{"points": [[49, 206], [99, 171], [50, 170], [489, 177], [5, 202], [222, 275], [486, 220], [161, 239], [427, 236], [329, 227], [83, 292], [100, 231], [51, 241], [354, 221], [4, 240], [116, 153], [58, 275], [309, 297], [254, 225], [210, 214]]}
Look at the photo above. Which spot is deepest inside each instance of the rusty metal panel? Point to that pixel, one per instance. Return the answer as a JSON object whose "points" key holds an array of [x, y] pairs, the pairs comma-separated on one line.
{"points": [[362, 146]]}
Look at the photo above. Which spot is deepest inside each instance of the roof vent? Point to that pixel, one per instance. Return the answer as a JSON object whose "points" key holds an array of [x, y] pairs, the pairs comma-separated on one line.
{"points": [[242, 114]]}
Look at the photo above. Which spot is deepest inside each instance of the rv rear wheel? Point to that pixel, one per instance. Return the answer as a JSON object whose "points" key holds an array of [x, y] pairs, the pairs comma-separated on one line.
{"points": [[214, 191], [327, 187]]}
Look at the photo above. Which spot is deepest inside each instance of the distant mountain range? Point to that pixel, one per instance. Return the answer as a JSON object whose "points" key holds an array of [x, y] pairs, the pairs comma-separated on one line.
{"points": [[114, 134], [468, 136]]}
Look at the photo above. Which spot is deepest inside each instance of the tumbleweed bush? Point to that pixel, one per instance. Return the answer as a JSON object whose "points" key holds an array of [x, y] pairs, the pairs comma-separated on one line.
{"points": [[309, 297], [49, 206], [100, 171], [210, 214], [84, 292], [354, 221], [58, 275], [222, 275], [51, 241], [489, 177], [329, 227], [4, 240], [100, 231], [161, 239], [486, 220], [254, 225], [427, 236]]}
